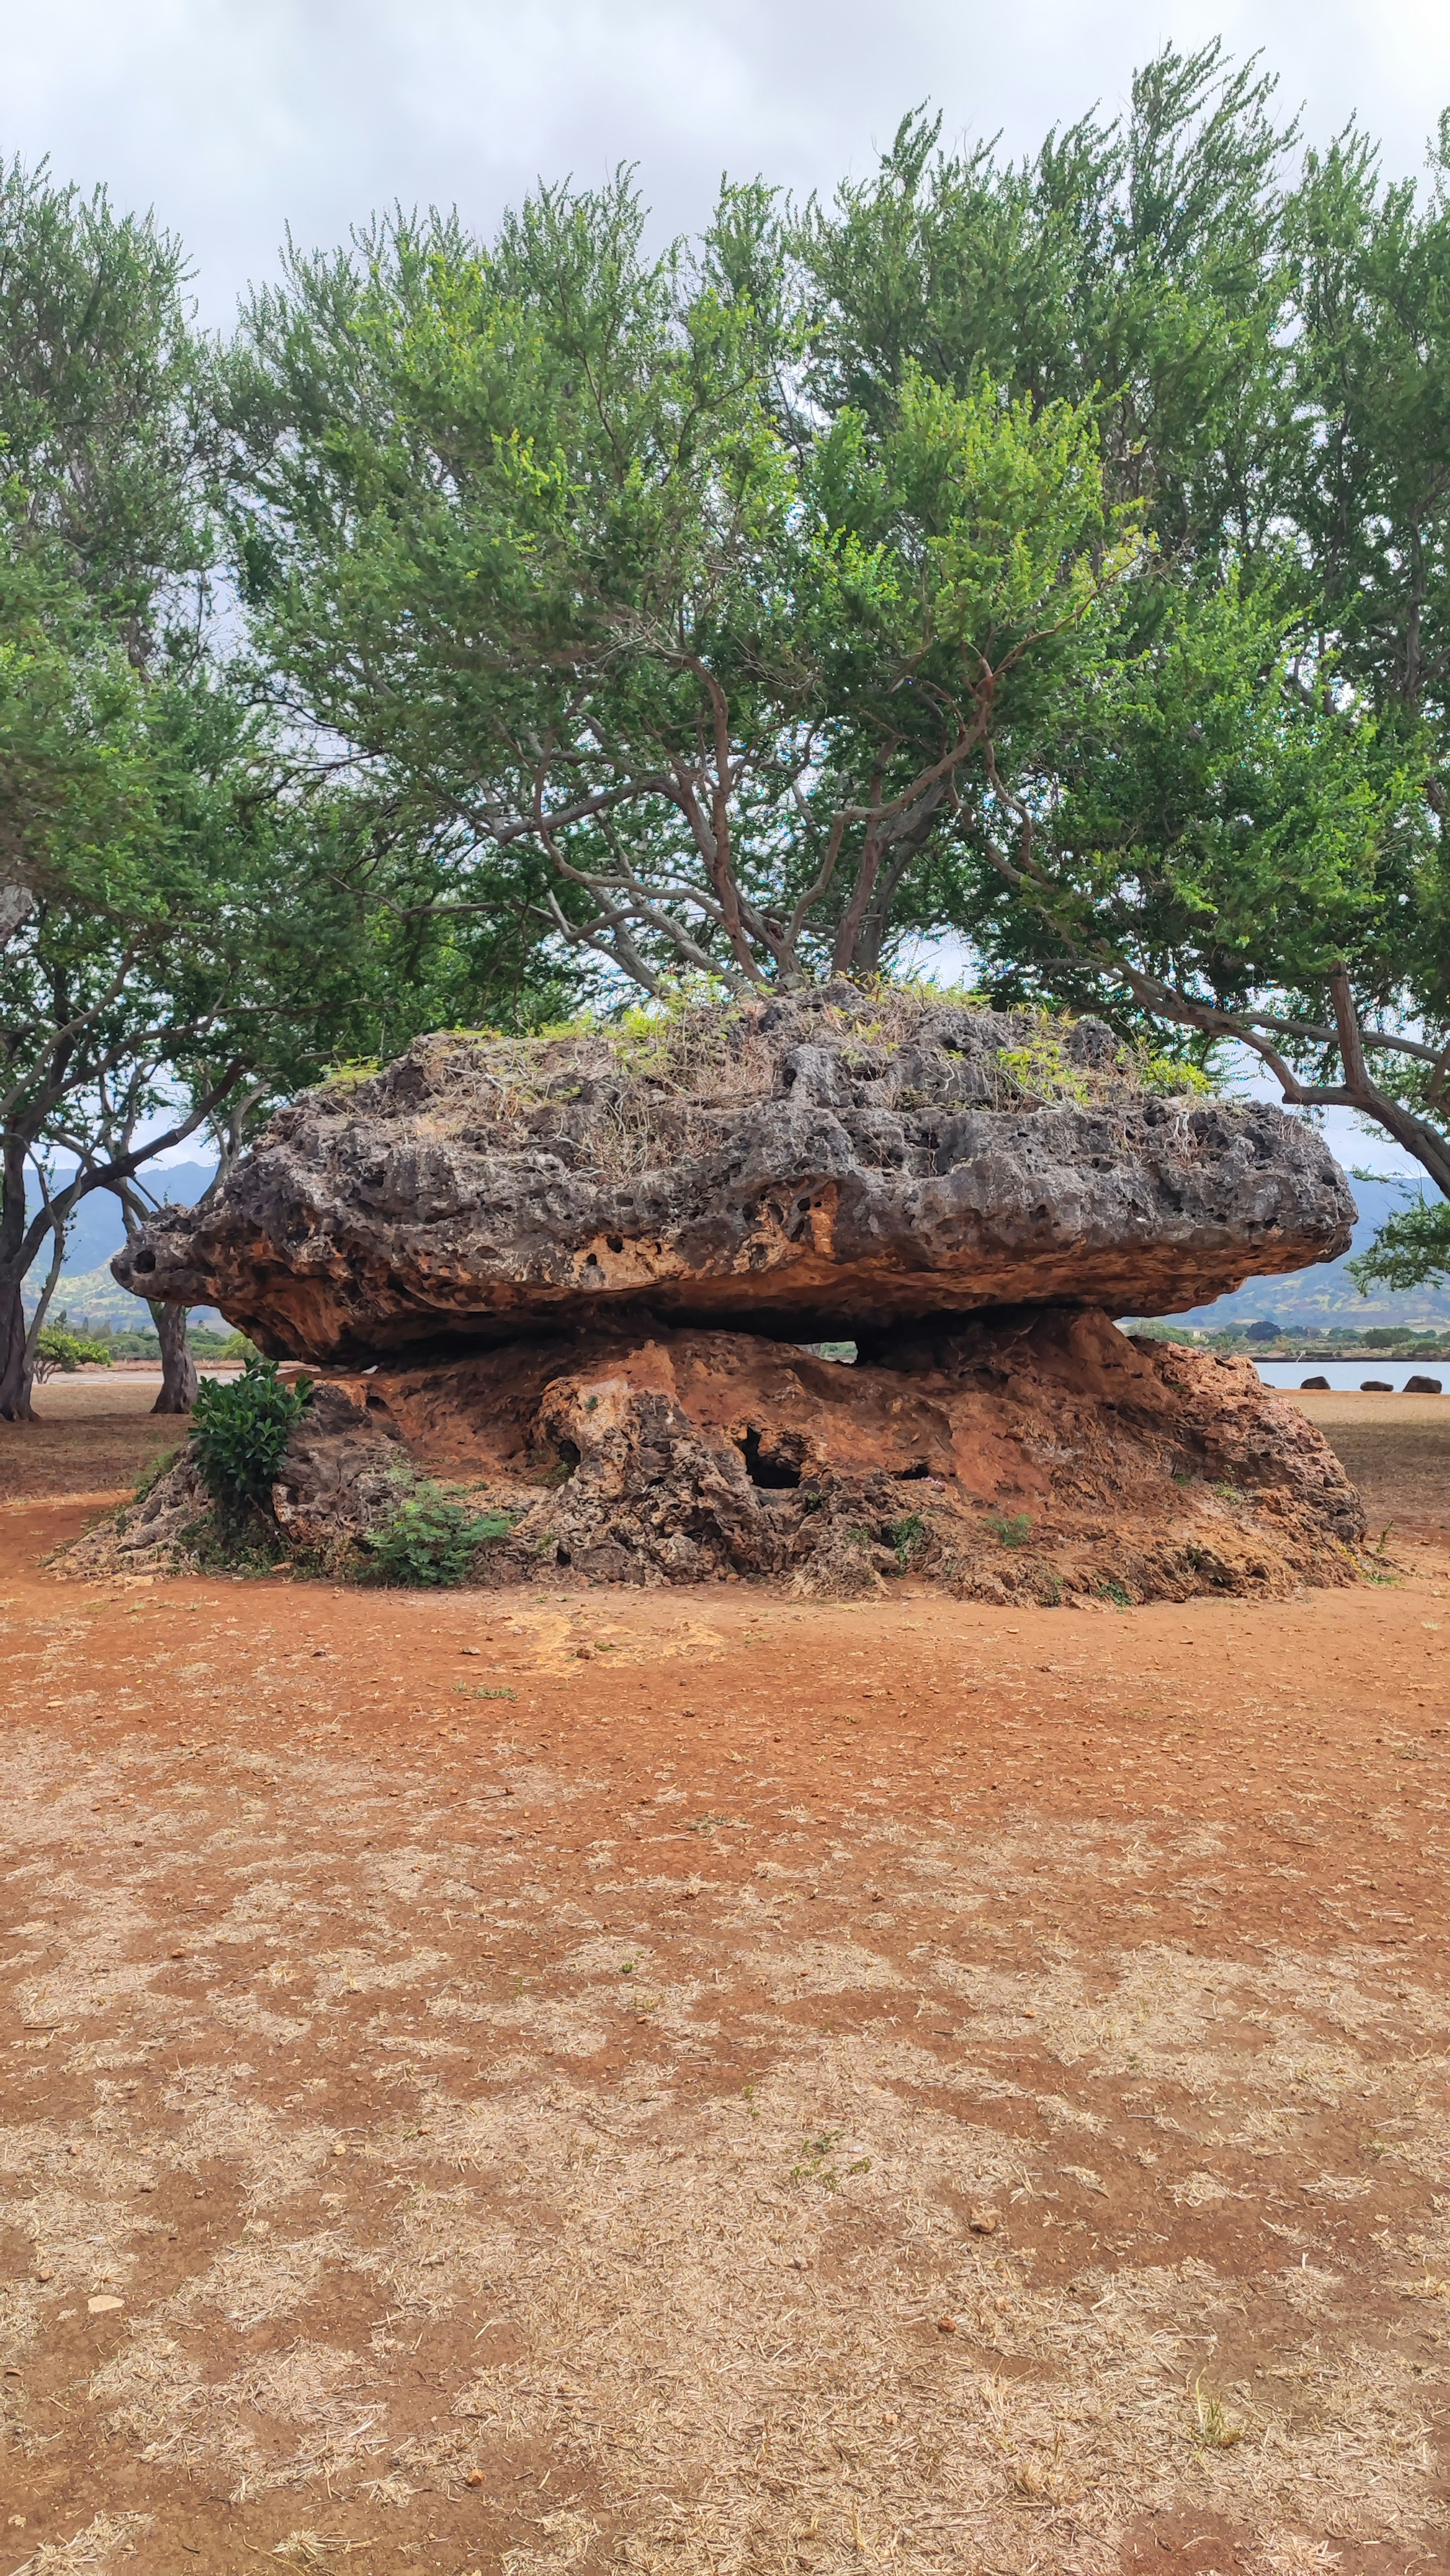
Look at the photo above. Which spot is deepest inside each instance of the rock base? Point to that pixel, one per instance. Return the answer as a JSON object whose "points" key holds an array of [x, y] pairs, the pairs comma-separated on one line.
{"points": [[1039, 1454]]}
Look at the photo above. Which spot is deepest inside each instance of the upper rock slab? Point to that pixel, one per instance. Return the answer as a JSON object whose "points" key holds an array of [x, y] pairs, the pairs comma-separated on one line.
{"points": [[827, 1163]]}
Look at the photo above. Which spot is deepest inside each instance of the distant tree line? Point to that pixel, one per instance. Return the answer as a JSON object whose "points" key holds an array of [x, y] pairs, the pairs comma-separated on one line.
{"points": [[1051, 554]]}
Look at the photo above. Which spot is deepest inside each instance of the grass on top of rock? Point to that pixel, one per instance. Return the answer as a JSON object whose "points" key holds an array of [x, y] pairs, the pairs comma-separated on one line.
{"points": [[652, 1074]]}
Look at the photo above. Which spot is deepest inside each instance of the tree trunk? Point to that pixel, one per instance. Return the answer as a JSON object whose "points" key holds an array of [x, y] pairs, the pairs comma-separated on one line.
{"points": [[15, 1373], [178, 1368]]}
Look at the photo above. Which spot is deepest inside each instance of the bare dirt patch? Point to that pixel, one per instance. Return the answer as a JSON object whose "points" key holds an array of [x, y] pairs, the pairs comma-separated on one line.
{"points": [[1397, 1450], [94, 1436], [707, 2082]]}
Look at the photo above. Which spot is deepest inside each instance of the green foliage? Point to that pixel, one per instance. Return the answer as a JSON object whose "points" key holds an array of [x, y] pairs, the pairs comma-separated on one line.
{"points": [[183, 916], [816, 2161], [1250, 793], [207, 1343], [432, 1538], [240, 1430], [1012, 1528], [638, 596], [1041, 1070], [58, 1349], [1411, 1250], [905, 1536], [231, 1346], [346, 1076]]}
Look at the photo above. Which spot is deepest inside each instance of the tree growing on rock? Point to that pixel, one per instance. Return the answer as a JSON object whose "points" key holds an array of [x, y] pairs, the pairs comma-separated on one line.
{"points": [[1238, 833]]}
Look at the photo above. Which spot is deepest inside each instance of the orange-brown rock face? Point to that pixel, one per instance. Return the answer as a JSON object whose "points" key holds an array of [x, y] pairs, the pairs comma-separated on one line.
{"points": [[1042, 1454]]}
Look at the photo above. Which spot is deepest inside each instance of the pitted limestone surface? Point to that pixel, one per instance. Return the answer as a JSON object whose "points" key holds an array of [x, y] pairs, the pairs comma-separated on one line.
{"points": [[828, 1163]]}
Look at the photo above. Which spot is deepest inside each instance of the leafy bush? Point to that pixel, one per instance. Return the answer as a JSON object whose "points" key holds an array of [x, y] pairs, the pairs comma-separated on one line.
{"points": [[57, 1348], [240, 1430], [1012, 1528], [432, 1538], [906, 1537]]}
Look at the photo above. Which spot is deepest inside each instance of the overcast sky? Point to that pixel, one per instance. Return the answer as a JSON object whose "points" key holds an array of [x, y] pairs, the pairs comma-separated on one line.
{"points": [[236, 118]]}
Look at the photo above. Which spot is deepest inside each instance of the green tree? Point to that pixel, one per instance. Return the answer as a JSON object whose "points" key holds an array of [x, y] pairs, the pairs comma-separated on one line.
{"points": [[191, 924], [1138, 264], [526, 532]]}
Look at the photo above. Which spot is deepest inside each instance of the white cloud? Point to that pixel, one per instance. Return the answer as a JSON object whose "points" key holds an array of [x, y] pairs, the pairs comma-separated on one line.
{"points": [[237, 117]]}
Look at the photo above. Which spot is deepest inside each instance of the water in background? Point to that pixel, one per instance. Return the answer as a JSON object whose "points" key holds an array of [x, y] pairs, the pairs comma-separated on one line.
{"points": [[1352, 1373]]}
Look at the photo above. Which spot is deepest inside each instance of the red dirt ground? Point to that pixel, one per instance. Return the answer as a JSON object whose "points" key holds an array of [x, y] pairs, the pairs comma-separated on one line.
{"points": [[701, 2081]]}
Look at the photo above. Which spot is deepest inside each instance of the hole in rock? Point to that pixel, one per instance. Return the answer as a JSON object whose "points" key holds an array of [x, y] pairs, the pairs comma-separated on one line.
{"points": [[615, 1242], [775, 1475], [144, 1261], [912, 1475], [568, 1454]]}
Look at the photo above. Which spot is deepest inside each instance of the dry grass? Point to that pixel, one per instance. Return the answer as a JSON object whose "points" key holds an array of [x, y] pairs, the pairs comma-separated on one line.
{"points": [[661, 1082]]}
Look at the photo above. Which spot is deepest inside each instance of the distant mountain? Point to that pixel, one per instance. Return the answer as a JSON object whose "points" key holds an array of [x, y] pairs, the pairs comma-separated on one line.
{"points": [[94, 1297], [1319, 1298]]}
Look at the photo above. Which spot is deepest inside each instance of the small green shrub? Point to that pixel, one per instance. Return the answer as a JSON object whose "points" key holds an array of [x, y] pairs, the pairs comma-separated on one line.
{"points": [[1042, 1070], [1012, 1528], [57, 1348], [432, 1538], [906, 1537], [240, 1430], [350, 1072]]}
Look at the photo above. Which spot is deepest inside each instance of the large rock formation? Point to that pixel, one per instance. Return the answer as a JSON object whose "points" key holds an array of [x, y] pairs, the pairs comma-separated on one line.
{"points": [[528, 1266], [824, 1165], [1035, 1455]]}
